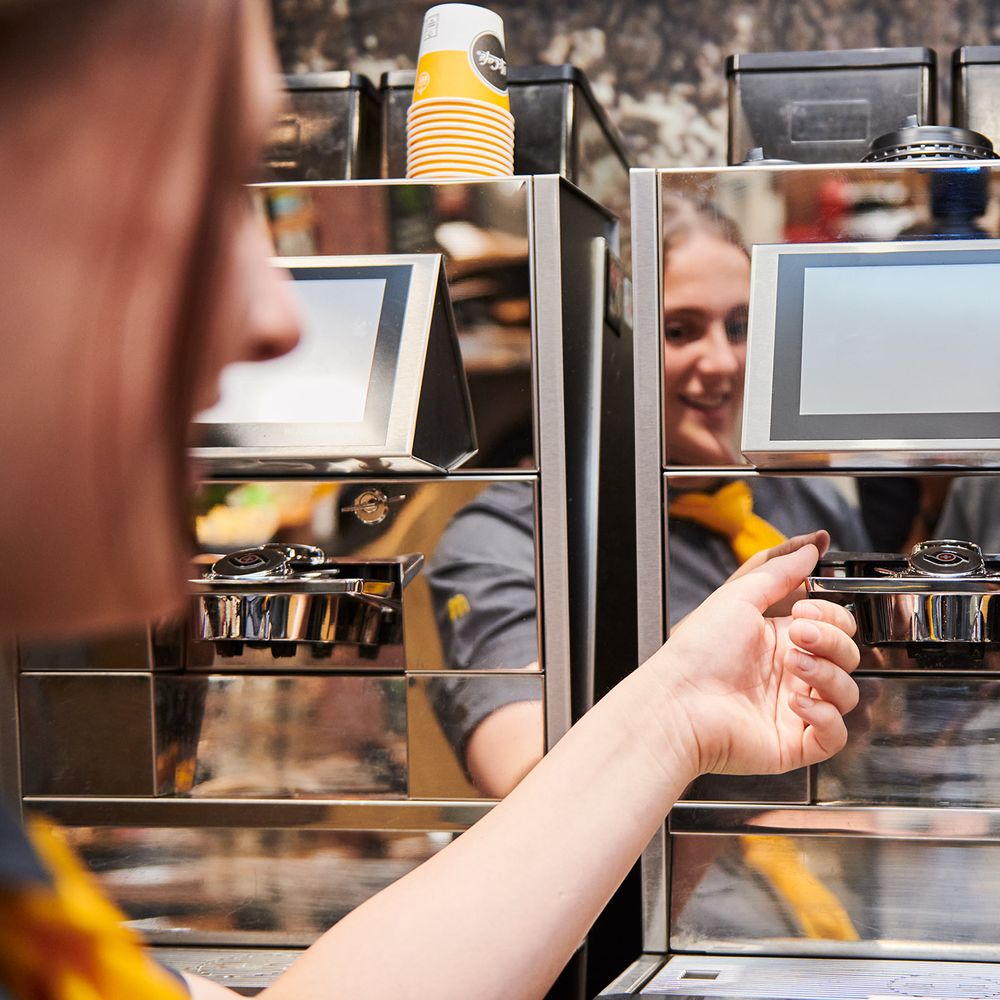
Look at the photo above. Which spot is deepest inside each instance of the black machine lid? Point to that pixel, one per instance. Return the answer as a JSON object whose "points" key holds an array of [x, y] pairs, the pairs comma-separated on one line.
{"points": [[525, 76], [759, 62], [757, 158], [929, 142], [975, 54], [333, 80]]}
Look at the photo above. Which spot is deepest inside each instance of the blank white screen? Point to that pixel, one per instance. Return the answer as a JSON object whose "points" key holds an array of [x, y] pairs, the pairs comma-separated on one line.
{"points": [[325, 378], [901, 339]]}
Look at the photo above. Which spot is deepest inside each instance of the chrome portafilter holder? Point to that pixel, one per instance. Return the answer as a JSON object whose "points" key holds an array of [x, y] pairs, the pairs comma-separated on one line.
{"points": [[944, 595], [295, 593]]}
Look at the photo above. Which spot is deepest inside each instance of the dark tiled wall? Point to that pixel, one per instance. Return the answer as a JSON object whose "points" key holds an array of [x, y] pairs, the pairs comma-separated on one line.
{"points": [[656, 65]]}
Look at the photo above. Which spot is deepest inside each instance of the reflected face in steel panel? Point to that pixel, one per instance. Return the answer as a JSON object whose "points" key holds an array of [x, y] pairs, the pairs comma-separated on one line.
{"points": [[245, 887]]}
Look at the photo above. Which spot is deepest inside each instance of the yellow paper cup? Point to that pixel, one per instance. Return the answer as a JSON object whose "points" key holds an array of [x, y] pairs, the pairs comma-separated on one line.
{"points": [[462, 54], [464, 157], [462, 106], [449, 120], [459, 130], [457, 148], [452, 172]]}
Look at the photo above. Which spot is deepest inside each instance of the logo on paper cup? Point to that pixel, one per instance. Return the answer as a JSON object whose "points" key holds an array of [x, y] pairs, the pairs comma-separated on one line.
{"points": [[423, 82], [489, 61]]}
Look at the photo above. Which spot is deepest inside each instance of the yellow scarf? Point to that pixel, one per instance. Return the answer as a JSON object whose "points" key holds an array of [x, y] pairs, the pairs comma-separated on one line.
{"points": [[65, 941], [729, 512]]}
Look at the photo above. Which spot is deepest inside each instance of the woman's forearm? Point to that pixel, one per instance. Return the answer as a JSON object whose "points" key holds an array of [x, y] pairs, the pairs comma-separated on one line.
{"points": [[501, 910]]}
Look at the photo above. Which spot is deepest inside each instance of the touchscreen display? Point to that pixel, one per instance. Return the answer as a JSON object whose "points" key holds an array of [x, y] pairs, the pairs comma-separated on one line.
{"points": [[900, 339], [326, 378]]}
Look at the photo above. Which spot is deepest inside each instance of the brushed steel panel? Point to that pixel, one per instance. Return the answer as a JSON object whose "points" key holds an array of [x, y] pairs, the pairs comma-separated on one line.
{"points": [[926, 740], [87, 734], [793, 786], [316, 814], [305, 736], [415, 522], [836, 896], [444, 713], [730, 977], [268, 887]]}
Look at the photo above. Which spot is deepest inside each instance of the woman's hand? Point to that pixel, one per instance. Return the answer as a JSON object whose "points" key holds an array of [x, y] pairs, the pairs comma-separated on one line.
{"points": [[751, 694]]}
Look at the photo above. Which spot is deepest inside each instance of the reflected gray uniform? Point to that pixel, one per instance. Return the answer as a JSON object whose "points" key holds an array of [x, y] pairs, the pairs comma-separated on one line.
{"points": [[485, 563], [972, 512], [700, 560], [487, 554]]}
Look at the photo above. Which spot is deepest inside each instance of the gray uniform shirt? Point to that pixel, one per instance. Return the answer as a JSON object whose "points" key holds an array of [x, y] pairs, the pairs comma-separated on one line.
{"points": [[487, 555], [972, 512]]}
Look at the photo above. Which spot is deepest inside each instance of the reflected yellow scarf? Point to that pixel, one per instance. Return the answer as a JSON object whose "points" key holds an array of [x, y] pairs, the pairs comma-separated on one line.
{"points": [[65, 941], [729, 512]]}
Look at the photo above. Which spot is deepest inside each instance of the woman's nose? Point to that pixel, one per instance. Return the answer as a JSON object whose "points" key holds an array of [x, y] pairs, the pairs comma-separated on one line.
{"points": [[274, 320], [718, 356]]}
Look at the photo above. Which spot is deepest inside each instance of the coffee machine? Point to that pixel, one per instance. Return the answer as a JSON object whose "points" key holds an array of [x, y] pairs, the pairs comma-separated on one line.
{"points": [[242, 779], [869, 347]]}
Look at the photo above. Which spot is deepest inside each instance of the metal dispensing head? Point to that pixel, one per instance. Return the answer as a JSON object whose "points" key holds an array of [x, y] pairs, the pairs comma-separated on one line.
{"points": [[945, 592], [295, 593]]}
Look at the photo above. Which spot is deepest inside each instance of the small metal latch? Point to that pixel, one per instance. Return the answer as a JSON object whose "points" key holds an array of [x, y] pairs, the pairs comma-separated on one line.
{"points": [[372, 506]]}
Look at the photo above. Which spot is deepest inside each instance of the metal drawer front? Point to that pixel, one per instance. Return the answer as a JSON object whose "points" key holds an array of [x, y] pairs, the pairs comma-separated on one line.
{"points": [[214, 737], [268, 887], [836, 896], [927, 740]]}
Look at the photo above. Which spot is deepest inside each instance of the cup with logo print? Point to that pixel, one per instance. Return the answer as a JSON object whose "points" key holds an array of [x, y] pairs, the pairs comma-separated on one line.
{"points": [[460, 94]]}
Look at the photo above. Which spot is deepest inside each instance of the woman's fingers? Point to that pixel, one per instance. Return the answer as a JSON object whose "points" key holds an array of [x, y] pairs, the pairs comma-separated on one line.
{"points": [[826, 681], [825, 732], [827, 640], [826, 611]]}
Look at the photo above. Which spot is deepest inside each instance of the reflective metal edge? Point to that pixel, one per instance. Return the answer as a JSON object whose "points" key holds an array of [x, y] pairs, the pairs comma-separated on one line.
{"points": [[546, 273], [635, 976], [757, 443], [244, 970], [316, 814], [876, 822], [651, 594], [10, 743], [401, 421]]}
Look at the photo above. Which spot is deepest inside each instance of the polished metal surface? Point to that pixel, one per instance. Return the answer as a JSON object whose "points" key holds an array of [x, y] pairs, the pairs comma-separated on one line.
{"points": [[931, 741], [687, 977], [254, 595], [482, 230], [546, 237], [650, 611], [837, 896], [245, 972], [943, 594], [367, 634], [635, 976], [792, 786], [331, 814], [439, 708], [213, 737], [416, 407], [929, 822], [245, 887]]}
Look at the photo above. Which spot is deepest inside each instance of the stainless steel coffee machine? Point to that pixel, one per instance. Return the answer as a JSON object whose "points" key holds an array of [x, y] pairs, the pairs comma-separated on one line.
{"points": [[870, 351], [398, 531]]}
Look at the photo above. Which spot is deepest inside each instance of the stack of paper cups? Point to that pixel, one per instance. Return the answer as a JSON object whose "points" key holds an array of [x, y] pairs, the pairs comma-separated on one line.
{"points": [[459, 124]]}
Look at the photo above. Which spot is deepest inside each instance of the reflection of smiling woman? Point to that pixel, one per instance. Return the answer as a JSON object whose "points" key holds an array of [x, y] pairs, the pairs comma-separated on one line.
{"points": [[706, 289], [706, 285]]}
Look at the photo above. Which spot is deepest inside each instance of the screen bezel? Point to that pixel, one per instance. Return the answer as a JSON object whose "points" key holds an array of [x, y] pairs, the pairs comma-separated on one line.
{"points": [[787, 423], [373, 428]]}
